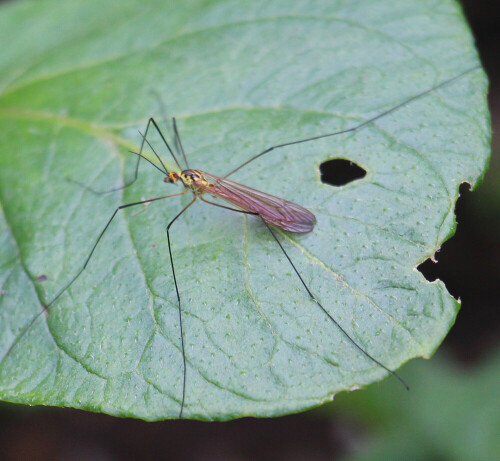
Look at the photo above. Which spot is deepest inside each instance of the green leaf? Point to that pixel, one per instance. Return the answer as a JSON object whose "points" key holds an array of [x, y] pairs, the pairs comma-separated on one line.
{"points": [[77, 81]]}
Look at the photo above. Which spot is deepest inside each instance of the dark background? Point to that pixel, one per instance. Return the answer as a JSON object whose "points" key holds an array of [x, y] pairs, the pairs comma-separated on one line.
{"points": [[379, 423]]}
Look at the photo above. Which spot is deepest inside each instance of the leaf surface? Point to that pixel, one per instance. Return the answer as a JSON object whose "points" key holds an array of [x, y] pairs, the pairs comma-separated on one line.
{"points": [[76, 85]]}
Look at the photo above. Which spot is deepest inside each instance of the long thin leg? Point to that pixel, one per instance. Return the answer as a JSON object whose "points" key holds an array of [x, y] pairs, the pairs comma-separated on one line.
{"points": [[310, 293], [164, 117], [114, 189], [226, 207], [360, 125], [136, 172], [327, 313], [178, 137], [66, 287], [152, 121], [179, 304]]}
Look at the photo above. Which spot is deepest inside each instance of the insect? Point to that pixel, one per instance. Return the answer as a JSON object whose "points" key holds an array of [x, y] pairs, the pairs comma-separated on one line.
{"points": [[271, 211]]}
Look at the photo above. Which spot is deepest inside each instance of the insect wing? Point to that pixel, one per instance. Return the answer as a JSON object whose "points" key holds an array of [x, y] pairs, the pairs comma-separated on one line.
{"points": [[277, 211]]}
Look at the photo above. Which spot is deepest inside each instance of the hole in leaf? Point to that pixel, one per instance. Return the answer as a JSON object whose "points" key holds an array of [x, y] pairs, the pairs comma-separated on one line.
{"points": [[339, 172], [467, 264], [440, 265], [429, 268]]}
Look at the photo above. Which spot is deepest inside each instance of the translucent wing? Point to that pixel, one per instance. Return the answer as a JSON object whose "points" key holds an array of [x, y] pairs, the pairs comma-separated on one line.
{"points": [[274, 210]]}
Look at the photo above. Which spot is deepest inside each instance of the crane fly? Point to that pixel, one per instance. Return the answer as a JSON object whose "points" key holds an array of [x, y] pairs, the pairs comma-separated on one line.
{"points": [[273, 212], [276, 211]]}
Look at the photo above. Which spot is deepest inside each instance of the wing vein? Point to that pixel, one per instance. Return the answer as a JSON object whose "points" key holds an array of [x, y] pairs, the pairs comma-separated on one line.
{"points": [[274, 210]]}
